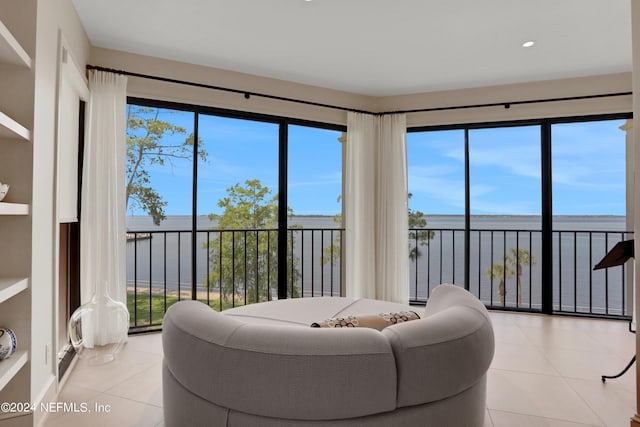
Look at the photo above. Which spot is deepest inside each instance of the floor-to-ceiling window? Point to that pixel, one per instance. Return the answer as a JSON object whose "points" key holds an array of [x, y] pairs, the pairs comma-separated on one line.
{"points": [[261, 195], [436, 169], [511, 189], [589, 214], [505, 214], [159, 197], [315, 210], [237, 180]]}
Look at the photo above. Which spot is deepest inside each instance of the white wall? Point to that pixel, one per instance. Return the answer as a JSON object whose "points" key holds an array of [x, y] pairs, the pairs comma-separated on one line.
{"points": [[146, 88], [595, 85], [506, 93], [52, 16]]}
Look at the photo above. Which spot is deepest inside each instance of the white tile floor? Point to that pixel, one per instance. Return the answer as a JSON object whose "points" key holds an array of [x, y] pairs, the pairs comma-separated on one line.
{"points": [[546, 372]]}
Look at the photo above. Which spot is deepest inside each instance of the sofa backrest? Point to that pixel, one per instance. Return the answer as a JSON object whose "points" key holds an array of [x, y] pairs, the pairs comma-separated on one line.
{"points": [[279, 371], [446, 352]]}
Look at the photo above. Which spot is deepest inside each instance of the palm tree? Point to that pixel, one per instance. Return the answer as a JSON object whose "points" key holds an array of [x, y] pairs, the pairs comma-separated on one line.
{"points": [[511, 265]]}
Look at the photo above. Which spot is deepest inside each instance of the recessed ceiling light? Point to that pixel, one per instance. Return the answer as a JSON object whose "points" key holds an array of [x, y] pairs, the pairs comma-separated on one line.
{"points": [[528, 43]]}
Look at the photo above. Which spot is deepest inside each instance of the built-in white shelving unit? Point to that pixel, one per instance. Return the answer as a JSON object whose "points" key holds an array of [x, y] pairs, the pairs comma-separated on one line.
{"points": [[14, 209], [17, 84], [9, 128], [12, 286], [10, 367], [11, 52]]}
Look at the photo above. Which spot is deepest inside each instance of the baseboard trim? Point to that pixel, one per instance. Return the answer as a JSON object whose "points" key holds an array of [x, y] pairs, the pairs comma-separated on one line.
{"points": [[49, 394], [17, 420], [65, 361]]}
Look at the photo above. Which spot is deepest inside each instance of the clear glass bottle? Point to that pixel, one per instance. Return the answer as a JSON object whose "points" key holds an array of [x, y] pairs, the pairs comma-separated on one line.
{"points": [[98, 329]]}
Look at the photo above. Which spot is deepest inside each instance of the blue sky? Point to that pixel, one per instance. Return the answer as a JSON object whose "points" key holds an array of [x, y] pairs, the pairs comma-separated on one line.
{"points": [[239, 150], [588, 168]]}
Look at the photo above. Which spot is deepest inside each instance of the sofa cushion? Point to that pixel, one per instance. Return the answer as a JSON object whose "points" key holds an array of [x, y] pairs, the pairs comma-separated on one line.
{"points": [[293, 311], [279, 371], [374, 321], [444, 353]]}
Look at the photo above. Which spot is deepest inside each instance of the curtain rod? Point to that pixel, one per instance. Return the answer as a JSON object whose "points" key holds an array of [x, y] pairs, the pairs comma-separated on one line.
{"points": [[509, 104], [248, 94]]}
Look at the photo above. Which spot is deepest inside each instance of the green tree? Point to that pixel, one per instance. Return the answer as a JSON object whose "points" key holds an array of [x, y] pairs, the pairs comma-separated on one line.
{"points": [[245, 262], [418, 233], [511, 266], [149, 144]]}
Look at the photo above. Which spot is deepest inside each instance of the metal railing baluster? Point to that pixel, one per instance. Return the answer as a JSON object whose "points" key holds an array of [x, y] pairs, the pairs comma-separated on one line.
{"points": [[585, 283]]}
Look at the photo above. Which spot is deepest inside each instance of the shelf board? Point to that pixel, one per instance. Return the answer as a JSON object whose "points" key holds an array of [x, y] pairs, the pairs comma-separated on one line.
{"points": [[9, 128], [13, 208], [10, 50], [11, 366], [12, 286]]}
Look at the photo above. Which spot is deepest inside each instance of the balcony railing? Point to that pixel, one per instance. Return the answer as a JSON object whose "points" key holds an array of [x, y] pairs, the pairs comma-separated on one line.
{"points": [[238, 267], [233, 268], [514, 281]]}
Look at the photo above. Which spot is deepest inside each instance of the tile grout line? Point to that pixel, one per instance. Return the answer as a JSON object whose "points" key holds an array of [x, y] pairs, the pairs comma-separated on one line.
{"points": [[144, 371], [564, 379], [584, 400], [490, 417], [577, 423], [131, 400], [542, 352], [603, 424], [79, 369]]}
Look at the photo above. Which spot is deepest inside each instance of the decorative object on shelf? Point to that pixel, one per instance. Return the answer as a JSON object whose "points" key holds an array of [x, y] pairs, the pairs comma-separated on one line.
{"points": [[4, 189], [98, 329], [8, 343]]}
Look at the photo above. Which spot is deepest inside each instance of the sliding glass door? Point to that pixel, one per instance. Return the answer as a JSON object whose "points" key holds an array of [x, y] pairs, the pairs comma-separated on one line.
{"points": [[159, 196], [237, 210], [436, 169], [542, 202], [589, 216], [229, 208], [505, 215], [315, 211]]}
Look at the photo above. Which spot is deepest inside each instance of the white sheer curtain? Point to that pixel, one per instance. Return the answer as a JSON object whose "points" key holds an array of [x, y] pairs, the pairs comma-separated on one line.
{"points": [[375, 208], [359, 206], [102, 223], [392, 222]]}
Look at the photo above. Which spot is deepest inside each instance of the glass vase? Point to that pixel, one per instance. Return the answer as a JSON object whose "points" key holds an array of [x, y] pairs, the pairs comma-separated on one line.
{"points": [[98, 329]]}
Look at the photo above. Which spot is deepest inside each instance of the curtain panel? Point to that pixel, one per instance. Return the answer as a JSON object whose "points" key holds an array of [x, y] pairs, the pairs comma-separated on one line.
{"points": [[375, 208], [360, 206], [103, 217]]}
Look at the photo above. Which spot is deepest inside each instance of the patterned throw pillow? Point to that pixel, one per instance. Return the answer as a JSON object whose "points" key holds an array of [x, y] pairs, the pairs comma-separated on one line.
{"points": [[374, 321]]}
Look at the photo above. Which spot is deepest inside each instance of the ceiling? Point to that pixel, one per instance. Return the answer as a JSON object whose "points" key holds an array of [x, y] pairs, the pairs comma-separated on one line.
{"points": [[374, 47]]}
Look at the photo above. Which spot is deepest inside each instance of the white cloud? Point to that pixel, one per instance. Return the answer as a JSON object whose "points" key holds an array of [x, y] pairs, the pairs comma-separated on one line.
{"points": [[328, 179], [521, 160], [443, 184]]}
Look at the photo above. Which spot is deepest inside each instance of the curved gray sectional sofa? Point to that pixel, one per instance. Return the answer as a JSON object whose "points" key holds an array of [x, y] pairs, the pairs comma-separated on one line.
{"points": [[263, 365]]}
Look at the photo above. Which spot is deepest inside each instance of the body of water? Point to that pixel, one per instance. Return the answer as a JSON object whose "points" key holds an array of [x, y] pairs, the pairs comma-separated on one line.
{"points": [[579, 242]]}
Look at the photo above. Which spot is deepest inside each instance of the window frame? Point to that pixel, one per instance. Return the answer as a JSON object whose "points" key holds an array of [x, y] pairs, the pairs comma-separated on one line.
{"points": [[283, 124], [546, 183]]}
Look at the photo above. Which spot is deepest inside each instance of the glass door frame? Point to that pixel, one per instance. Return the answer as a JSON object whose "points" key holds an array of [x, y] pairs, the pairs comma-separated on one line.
{"points": [[546, 187], [283, 134]]}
